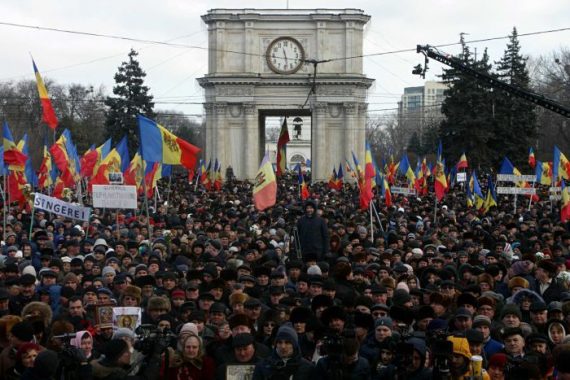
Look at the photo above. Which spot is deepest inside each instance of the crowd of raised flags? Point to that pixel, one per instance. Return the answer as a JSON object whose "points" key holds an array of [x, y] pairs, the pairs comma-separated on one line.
{"points": [[62, 169]]}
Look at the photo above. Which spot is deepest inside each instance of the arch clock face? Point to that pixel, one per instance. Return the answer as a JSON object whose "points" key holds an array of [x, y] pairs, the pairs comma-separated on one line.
{"points": [[285, 55]]}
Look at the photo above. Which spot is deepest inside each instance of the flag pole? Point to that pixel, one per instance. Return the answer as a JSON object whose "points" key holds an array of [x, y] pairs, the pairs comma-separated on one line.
{"points": [[371, 221], [530, 200], [4, 192], [32, 220]]}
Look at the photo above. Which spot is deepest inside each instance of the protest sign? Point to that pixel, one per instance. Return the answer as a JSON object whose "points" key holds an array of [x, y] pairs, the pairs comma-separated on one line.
{"points": [[59, 207], [115, 196]]}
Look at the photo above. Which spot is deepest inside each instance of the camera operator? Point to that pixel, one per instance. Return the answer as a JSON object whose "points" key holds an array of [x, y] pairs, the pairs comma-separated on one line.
{"points": [[343, 362], [116, 362]]}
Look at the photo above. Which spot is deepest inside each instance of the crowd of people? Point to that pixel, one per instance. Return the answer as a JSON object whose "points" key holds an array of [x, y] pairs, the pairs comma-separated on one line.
{"points": [[306, 289]]}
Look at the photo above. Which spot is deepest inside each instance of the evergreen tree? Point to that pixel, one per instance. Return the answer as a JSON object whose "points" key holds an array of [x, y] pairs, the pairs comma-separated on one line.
{"points": [[468, 124], [131, 98], [516, 126]]}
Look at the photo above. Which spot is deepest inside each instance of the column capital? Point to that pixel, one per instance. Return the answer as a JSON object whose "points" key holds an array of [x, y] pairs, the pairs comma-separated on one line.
{"points": [[249, 109], [350, 108]]}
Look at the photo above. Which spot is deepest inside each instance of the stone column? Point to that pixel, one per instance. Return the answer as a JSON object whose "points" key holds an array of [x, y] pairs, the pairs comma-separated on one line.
{"points": [[361, 116], [319, 142], [221, 128], [251, 159], [209, 149], [350, 141]]}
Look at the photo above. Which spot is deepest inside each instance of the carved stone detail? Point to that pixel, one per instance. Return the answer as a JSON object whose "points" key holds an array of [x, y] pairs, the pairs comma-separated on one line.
{"points": [[350, 108], [221, 108], [234, 91], [335, 110], [235, 109], [249, 109], [320, 108]]}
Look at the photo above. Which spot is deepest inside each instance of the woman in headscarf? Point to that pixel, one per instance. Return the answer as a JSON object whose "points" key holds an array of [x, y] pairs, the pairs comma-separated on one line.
{"points": [[191, 363]]}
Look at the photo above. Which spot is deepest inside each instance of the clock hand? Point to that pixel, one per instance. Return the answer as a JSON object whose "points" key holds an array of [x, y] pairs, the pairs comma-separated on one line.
{"points": [[285, 54]]}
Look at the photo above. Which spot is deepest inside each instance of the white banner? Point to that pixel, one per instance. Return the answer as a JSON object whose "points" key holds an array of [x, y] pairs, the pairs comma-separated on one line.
{"points": [[59, 207], [402, 190], [516, 190], [115, 196], [461, 177], [515, 178]]}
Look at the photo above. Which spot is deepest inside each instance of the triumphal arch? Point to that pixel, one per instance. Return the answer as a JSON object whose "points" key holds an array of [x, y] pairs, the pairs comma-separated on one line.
{"points": [[263, 62]]}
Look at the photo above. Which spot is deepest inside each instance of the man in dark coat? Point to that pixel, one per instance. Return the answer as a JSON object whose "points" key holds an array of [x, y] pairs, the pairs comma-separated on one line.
{"points": [[546, 284], [285, 362], [313, 232]]}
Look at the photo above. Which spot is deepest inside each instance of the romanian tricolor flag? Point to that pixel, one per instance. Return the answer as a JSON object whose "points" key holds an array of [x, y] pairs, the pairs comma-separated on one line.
{"points": [[565, 207], [157, 144], [357, 168], [12, 155], [48, 115], [440, 182], [531, 159], [62, 161], [265, 188], [543, 171], [281, 149], [332, 180], [369, 167], [218, 180], [153, 172], [205, 175], [462, 164]]}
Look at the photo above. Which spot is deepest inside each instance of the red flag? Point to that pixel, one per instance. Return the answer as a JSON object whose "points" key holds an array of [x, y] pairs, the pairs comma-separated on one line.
{"points": [[281, 153]]}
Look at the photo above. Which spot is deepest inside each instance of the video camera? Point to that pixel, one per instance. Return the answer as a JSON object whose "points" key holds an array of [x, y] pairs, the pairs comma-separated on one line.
{"points": [[150, 338], [442, 351]]}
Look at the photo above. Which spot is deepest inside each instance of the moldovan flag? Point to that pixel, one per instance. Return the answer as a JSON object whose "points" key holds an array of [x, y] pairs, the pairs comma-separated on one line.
{"points": [[12, 155], [462, 164], [157, 144], [265, 189], [565, 209], [531, 159], [281, 146], [48, 115], [44, 173]]}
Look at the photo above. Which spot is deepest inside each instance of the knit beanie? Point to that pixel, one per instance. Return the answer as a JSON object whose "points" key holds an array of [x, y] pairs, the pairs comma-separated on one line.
{"points": [[287, 333], [400, 297], [189, 328], [107, 270], [384, 321], [511, 309], [520, 267], [113, 349], [24, 331]]}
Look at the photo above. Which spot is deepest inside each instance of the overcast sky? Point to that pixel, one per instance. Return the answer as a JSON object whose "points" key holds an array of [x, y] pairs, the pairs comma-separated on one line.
{"points": [[171, 71]]}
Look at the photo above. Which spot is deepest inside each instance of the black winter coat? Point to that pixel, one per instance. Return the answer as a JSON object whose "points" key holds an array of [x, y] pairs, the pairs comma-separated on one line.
{"points": [[313, 235]]}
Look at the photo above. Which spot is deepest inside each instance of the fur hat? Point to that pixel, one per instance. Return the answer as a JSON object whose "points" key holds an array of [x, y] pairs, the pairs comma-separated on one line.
{"points": [[236, 298], [34, 308], [548, 265], [240, 320], [24, 331], [518, 282], [300, 314], [511, 309], [486, 277], [133, 291], [158, 303], [113, 349], [388, 282]]}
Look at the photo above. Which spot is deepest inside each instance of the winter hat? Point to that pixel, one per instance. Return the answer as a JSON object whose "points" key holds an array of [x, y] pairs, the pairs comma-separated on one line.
{"points": [[314, 270], [419, 345], [460, 346], [189, 328], [113, 349], [481, 320], [518, 282], [107, 270], [547, 265], [236, 298], [403, 285], [511, 309], [384, 321], [29, 270], [134, 292], [498, 360], [158, 303], [24, 331], [240, 320], [287, 332], [123, 332], [400, 297]]}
